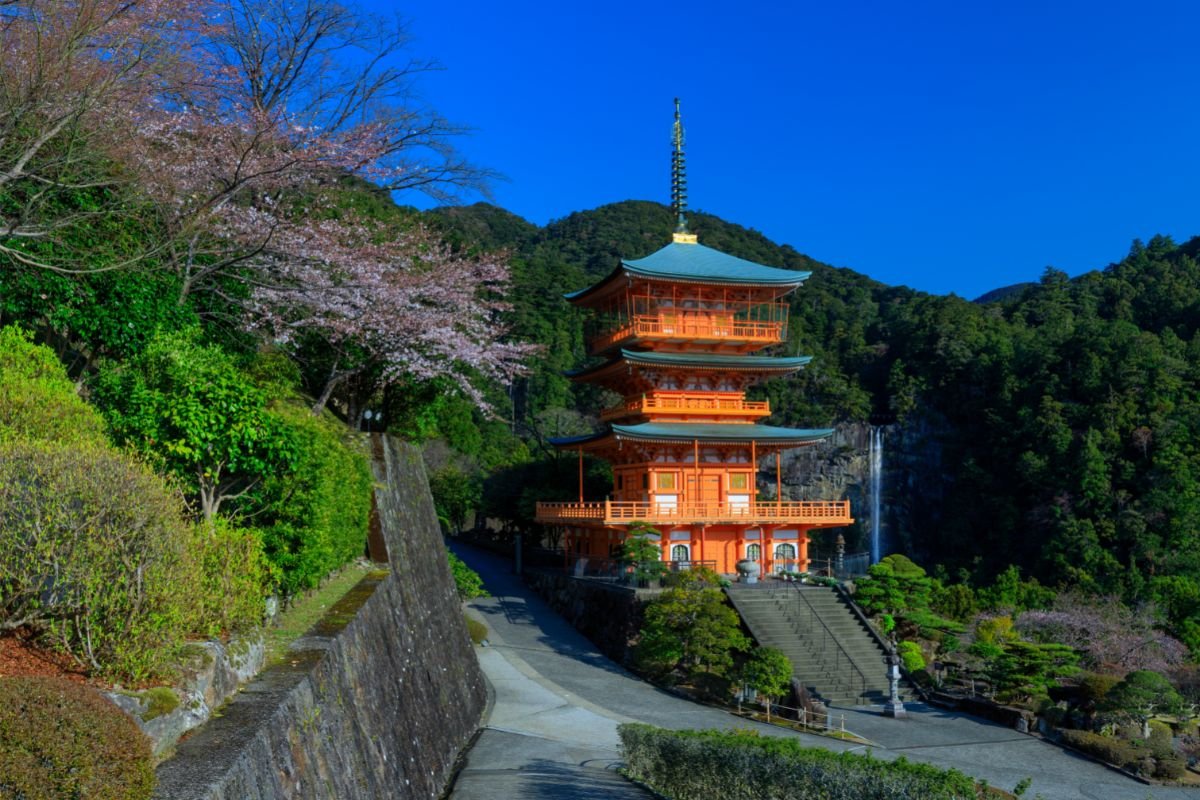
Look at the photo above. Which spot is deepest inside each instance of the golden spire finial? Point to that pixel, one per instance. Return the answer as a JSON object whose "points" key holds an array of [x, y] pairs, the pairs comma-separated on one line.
{"points": [[679, 181]]}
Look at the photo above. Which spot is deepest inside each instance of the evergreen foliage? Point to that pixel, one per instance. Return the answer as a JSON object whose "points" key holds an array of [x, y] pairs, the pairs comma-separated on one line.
{"points": [[690, 628]]}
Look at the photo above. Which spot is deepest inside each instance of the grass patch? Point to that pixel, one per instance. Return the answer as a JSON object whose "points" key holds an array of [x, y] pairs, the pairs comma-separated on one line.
{"points": [[163, 701], [476, 628], [307, 609]]}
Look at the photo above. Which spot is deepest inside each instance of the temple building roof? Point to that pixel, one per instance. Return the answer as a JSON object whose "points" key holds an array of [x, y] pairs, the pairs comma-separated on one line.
{"points": [[708, 361], [695, 263], [687, 432]]}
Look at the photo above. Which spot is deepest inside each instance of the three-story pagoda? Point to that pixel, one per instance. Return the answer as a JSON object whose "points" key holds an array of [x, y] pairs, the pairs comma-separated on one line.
{"points": [[678, 332]]}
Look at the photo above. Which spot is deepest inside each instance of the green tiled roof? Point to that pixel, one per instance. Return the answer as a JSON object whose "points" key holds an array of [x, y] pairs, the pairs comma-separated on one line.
{"points": [[696, 262], [703, 360], [704, 432]]}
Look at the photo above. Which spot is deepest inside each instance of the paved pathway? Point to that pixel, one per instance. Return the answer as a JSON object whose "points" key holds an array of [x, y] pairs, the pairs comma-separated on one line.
{"points": [[551, 732]]}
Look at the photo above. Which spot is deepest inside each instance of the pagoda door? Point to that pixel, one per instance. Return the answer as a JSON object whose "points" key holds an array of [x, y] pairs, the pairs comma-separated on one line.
{"points": [[709, 494]]}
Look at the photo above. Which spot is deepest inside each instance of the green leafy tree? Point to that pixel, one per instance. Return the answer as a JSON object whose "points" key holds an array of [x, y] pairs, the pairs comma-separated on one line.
{"points": [[769, 673], [455, 495], [690, 627], [189, 409], [895, 585], [1141, 695]]}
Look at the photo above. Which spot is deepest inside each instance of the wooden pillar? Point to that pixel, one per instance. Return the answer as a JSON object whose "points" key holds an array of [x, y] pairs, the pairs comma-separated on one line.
{"points": [[581, 475], [695, 501], [700, 540], [753, 478], [802, 551], [768, 548]]}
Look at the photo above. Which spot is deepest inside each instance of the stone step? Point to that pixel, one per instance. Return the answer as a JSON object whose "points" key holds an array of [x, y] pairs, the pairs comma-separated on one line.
{"points": [[783, 619]]}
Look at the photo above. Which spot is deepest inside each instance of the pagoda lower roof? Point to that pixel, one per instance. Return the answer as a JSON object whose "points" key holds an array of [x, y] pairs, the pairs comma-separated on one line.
{"points": [[707, 361], [695, 263], [688, 432]]}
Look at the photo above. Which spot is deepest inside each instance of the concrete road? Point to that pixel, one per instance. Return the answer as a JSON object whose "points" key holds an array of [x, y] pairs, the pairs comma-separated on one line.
{"points": [[551, 731]]}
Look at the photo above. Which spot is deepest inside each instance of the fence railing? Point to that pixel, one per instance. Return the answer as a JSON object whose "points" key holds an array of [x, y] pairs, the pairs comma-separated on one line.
{"points": [[803, 716], [824, 642], [649, 573], [698, 326], [815, 512], [848, 566], [686, 403]]}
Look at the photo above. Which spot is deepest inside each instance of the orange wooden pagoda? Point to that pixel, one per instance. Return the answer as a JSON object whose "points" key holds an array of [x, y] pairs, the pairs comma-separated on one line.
{"points": [[678, 332]]}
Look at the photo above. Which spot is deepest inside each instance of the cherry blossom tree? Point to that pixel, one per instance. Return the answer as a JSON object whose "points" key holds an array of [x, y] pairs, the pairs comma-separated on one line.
{"points": [[1109, 634], [292, 96], [71, 72], [400, 306]]}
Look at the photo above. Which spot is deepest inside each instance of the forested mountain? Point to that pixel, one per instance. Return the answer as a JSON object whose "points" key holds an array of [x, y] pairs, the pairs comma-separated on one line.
{"points": [[1067, 412]]}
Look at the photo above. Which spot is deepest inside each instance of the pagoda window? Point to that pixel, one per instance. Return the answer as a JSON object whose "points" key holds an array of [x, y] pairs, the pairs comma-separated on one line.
{"points": [[666, 481], [754, 551], [739, 503], [645, 481], [681, 552], [666, 503], [785, 556], [738, 481]]}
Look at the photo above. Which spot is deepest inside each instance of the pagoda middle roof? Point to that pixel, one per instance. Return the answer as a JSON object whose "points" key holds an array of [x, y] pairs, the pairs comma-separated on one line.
{"points": [[699, 264], [723, 362], [728, 433]]}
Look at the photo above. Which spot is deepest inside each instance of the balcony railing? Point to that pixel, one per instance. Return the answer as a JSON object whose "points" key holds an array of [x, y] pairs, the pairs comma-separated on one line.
{"points": [[619, 512], [686, 403], [693, 327]]}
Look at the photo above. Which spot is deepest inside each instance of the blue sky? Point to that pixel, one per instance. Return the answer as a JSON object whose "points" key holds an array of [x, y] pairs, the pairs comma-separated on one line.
{"points": [[949, 146]]}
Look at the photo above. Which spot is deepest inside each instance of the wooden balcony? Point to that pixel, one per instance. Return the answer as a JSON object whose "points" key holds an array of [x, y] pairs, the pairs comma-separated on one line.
{"points": [[613, 512], [691, 327], [689, 404]]}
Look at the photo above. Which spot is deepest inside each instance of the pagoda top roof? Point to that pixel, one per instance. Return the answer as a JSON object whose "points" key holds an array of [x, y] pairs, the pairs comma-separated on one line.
{"points": [[684, 432], [721, 362], [695, 263]]}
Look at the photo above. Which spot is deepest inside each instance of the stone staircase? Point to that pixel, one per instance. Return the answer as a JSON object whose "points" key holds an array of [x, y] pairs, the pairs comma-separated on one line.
{"points": [[832, 653]]}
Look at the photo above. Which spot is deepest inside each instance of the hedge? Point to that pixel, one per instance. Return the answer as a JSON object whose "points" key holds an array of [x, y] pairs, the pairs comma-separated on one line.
{"points": [[63, 741], [740, 765], [320, 510]]}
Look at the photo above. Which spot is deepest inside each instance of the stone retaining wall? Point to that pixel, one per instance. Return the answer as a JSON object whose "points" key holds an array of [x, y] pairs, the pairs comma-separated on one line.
{"points": [[608, 615], [376, 701]]}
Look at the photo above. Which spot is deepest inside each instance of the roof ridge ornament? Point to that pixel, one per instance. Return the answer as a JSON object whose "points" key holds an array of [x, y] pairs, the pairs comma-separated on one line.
{"points": [[679, 182]]}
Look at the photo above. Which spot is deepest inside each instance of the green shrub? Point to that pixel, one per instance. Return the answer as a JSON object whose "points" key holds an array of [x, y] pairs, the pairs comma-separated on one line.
{"points": [[476, 629], [1170, 768], [93, 551], [320, 510], [37, 399], [466, 580], [1107, 748], [234, 578], [63, 741], [910, 655], [739, 765], [189, 410], [1093, 686]]}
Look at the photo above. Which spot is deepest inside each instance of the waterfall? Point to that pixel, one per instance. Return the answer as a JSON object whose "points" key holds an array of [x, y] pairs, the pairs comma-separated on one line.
{"points": [[876, 490]]}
